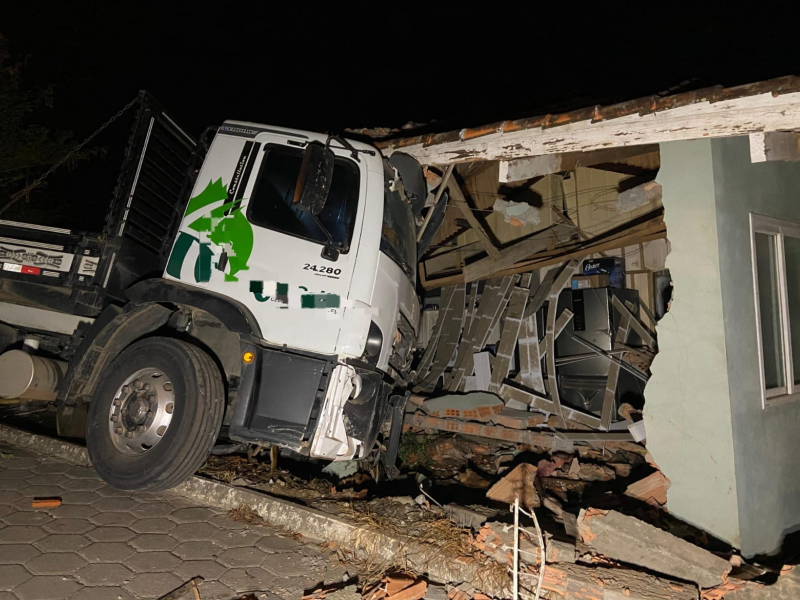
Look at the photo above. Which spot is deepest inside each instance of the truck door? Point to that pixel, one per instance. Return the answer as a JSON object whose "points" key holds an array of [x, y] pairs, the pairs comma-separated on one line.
{"points": [[281, 269]]}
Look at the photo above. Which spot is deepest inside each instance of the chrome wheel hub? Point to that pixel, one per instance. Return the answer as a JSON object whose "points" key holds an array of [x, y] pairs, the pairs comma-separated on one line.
{"points": [[141, 411]]}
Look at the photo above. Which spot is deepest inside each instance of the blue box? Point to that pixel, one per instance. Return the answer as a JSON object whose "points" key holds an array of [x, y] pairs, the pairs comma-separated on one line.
{"points": [[614, 267]]}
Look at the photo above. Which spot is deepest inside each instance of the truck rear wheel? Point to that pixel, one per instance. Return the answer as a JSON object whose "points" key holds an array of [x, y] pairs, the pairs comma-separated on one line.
{"points": [[155, 415]]}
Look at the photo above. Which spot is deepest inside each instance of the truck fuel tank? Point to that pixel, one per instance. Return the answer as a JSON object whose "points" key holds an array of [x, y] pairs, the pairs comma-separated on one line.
{"points": [[24, 375]]}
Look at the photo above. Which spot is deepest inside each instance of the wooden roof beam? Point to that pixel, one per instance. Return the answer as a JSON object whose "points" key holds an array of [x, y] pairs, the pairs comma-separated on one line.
{"points": [[719, 116], [545, 164]]}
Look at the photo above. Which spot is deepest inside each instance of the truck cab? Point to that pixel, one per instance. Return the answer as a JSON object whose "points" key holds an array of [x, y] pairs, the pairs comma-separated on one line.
{"points": [[337, 287], [283, 310]]}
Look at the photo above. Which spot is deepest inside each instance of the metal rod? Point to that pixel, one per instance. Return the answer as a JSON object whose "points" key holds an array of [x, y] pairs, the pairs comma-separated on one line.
{"points": [[516, 550], [632, 370]]}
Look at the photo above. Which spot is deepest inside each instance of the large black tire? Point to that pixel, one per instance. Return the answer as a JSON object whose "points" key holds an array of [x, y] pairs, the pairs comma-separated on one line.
{"points": [[199, 404]]}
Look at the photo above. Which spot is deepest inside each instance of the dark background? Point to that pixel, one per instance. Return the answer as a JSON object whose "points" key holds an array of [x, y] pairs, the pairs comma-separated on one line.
{"points": [[340, 65]]}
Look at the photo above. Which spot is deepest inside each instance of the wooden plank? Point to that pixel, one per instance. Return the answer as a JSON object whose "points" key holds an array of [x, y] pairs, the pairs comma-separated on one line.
{"points": [[530, 372], [538, 242], [460, 202], [430, 349], [471, 306], [726, 116], [442, 185], [636, 325], [539, 402], [493, 301], [653, 229], [452, 323], [559, 284], [508, 340], [537, 166], [610, 394], [561, 323]]}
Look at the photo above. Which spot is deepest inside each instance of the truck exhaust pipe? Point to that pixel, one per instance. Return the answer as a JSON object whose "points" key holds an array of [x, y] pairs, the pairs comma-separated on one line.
{"points": [[30, 377]]}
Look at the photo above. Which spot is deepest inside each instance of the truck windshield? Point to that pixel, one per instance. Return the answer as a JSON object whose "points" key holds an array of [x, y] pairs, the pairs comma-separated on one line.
{"points": [[398, 240], [271, 203]]}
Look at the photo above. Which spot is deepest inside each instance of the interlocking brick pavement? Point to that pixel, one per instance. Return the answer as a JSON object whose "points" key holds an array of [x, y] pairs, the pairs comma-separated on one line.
{"points": [[106, 544]]}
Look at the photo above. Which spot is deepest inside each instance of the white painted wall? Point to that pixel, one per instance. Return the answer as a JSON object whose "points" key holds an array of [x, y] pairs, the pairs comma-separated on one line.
{"points": [[688, 412]]}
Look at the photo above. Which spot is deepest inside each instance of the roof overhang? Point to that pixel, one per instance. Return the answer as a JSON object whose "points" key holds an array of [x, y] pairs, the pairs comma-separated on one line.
{"points": [[714, 112]]}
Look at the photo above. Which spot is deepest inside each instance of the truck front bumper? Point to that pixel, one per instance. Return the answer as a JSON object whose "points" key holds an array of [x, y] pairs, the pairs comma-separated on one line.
{"points": [[307, 403]]}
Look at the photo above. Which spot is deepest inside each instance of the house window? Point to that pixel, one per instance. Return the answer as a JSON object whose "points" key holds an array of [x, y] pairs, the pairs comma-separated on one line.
{"points": [[776, 276]]}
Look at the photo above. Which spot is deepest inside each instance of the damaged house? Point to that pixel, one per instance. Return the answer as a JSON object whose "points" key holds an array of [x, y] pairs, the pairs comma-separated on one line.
{"points": [[622, 274]]}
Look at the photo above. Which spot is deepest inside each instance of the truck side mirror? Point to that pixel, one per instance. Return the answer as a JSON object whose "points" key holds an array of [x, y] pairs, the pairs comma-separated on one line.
{"points": [[314, 179]]}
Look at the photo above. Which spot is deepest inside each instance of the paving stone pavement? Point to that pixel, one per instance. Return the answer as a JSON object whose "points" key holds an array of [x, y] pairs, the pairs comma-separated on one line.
{"points": [[106, 544]]}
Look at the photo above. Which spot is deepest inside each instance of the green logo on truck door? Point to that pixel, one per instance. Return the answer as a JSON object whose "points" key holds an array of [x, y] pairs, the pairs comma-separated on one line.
{"points": [[224, 226]]}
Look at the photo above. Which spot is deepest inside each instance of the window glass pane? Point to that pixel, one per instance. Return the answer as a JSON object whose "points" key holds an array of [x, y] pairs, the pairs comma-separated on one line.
{"points": [[769, 309], [272, 203], [792, 251], [398, 236]]}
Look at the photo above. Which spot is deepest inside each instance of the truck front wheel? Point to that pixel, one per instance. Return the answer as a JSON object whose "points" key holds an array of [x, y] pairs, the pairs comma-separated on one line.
{"points": [[155, 415]]}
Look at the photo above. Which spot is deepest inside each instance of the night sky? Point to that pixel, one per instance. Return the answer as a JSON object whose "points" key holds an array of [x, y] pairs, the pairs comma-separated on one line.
{"points": [[380, 64]]}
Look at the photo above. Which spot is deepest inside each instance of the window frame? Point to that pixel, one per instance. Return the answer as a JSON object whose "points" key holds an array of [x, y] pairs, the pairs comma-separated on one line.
{"points": [[271, 146], [780, 229]]}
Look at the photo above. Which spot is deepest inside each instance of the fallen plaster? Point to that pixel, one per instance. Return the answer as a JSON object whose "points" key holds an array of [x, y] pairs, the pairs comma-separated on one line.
{"points": [[687, 414]]}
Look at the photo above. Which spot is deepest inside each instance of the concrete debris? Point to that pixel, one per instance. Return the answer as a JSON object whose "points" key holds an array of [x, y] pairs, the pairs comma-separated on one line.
{"points": [[517, 213], [349, 592], [467, 517], [564, 489], [621, 469], [517, 419], [478, 406], [517, 484], [651, 489], [436, 592], [574, 469], [515, 404], [592, 472], [787, 587], [497, 540], [341, 469], [472, 479], [635, 542]]}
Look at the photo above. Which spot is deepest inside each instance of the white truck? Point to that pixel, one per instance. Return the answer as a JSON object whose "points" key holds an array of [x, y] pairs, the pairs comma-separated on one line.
{"points": [[260, 288]]}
